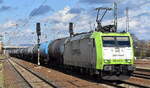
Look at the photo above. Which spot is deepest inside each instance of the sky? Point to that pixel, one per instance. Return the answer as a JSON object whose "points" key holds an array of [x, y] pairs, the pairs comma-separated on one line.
{"points": [[19, 17]]}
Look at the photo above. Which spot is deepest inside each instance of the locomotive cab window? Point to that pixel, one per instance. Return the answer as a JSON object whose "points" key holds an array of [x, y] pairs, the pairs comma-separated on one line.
{"points": [[123, 41], [116, 41], [109, 41]]}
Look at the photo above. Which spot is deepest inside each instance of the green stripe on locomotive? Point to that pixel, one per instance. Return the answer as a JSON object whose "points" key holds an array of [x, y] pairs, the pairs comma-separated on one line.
{"points": [[99, 49]]}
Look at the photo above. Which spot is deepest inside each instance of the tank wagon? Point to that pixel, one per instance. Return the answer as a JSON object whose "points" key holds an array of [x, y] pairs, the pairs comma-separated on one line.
{"points": [[103, 52]]}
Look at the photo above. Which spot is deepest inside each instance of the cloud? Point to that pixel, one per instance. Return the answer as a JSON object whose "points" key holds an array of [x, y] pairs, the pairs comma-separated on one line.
{"points": [[23, 36], [132, 5], [5, 8], [12, 33], [1, 1], [76, 10], [62, 16], [84, 21], [17, 37], [96, 1], [15, 34], [7, 25], [57, 23], [60, 20], [138, 15], [40, 10]]}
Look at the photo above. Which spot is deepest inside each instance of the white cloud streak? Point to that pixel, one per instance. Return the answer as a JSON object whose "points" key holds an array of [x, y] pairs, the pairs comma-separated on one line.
{"points": [[58, 22]]}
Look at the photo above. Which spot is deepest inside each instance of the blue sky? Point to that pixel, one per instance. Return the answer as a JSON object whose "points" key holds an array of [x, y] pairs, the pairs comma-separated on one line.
{"points": [[18, 18]]}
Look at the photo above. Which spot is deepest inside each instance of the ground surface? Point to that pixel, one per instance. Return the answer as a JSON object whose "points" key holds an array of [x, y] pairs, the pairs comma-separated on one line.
{"points": [[143, 63], [10, 79], [61, 79], [1, 71]]}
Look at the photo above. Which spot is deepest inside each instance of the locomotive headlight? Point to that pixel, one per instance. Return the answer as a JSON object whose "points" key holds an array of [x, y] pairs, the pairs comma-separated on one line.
{"points": [[128, 60], [106, 61]]}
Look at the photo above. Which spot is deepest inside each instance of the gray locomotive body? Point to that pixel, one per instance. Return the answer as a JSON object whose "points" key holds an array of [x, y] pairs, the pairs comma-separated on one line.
{"points": [[80, 51], [77, 51]]}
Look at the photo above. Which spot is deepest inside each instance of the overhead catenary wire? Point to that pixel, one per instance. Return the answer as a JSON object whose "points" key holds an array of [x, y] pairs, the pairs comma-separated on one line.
{"points": [[19, 26], [30, 18]]}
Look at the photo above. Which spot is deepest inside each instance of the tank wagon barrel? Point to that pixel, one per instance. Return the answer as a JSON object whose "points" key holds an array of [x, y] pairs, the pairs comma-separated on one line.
{"points": [[44, 56], [56, 49]]}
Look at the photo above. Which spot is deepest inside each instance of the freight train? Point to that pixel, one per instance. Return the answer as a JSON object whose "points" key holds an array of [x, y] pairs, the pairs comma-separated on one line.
{"points": [[103, 52]]}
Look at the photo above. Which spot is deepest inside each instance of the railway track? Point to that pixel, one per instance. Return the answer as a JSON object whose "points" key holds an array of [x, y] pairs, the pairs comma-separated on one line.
{"points": [[61, 79], [140, 79], [34, 80], [133, 84], [12, 78], [142, 73], [143, 70], [76, 82], [28, 84]]}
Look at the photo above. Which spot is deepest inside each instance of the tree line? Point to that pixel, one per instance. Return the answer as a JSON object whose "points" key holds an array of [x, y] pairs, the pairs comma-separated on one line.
{"points": [[141, 48]]}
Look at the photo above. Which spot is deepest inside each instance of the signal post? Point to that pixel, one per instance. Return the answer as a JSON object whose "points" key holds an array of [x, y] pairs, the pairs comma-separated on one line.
{"points": [[38, 31]]}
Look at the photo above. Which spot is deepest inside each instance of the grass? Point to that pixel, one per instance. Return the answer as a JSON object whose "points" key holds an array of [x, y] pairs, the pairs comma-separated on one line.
{"points": [[1, 76], [1, 72], [2, 56]]}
